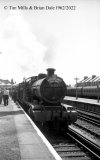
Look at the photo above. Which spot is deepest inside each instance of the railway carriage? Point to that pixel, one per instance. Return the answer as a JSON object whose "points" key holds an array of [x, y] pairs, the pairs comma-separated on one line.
{"points": [[85, 92], [90, 92], [71, 91]]}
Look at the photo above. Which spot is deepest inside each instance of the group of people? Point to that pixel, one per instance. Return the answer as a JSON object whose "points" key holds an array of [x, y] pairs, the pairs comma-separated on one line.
{"points": [[4, 94]]}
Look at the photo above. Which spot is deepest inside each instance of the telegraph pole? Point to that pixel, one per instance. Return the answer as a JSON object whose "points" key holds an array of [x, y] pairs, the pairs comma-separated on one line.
{"points": [[76, 87]]}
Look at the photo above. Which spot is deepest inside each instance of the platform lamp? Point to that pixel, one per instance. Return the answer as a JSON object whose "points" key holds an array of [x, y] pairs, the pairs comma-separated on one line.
{"points": [[24, 89], [76, 87], [24, 81]]}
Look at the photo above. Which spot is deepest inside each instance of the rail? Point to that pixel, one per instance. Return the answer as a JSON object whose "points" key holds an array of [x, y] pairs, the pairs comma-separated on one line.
{"points": [[85, 143]]}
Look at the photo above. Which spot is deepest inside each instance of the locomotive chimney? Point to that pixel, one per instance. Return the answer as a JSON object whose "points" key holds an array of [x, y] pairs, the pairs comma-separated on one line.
{"points": [[50, 71]]}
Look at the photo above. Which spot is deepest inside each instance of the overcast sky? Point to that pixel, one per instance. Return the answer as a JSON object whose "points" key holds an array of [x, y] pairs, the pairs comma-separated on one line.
{"points": [[33, 40]]}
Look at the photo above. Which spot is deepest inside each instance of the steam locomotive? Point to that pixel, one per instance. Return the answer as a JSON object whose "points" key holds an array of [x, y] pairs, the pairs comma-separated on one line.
{"points": [[84, 92], [42, 97]]}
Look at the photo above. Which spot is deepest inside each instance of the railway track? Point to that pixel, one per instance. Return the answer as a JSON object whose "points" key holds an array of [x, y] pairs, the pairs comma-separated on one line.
{"points": [[90, 119], [90, 146], [66, 147], [90, 132], [72, 145], [88, 126]]}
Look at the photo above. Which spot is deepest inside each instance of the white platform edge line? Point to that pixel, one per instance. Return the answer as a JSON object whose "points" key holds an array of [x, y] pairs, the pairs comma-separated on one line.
{"points": [[49, 146]]}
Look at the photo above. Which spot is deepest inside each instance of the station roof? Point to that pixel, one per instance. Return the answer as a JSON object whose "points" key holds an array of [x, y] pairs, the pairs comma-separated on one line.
{"points": [[97, 79], [83, 80], [93, 79], [5, 81], [88, 80]]}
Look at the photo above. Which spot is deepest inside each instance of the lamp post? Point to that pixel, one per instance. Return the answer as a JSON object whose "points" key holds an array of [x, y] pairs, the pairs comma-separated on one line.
{"points": [[76, 87], [98, 92], [24, 88]]}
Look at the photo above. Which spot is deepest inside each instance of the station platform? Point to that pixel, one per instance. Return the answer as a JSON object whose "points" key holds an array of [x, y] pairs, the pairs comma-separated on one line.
{"points": [[85, 100], [20, 139], [91, 106]]}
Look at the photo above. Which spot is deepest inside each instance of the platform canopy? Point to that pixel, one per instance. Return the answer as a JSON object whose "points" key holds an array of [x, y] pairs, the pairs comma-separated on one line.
{"points": [[5, 85]]}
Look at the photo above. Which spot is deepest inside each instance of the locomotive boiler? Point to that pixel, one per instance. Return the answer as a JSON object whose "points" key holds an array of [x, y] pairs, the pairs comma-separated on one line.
{"points": [[49, 90], [42, 97]]}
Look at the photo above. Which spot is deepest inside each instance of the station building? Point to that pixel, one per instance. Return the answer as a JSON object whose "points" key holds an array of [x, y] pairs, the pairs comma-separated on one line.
{"points": [[5, 83], [89, 81]]}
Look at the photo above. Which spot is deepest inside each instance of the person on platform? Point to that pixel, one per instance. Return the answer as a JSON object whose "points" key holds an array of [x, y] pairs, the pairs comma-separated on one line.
{"points": [[1, 95], [6, 96]]}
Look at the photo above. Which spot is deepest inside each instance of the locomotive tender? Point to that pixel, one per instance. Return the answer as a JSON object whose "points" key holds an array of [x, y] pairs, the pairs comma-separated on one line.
{"points": [[42, 97]]}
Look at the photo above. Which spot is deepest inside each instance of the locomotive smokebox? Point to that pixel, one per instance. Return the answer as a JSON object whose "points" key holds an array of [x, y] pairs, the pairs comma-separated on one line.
{"points": [[50, 71]]}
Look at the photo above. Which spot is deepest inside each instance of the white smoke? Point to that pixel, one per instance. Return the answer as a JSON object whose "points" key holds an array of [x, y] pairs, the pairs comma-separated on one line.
{"points": [[23, 54]]}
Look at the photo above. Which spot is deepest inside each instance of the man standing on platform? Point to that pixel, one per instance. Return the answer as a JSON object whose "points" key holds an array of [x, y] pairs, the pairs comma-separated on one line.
{"points": [[1, 94], [6, 96]]}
